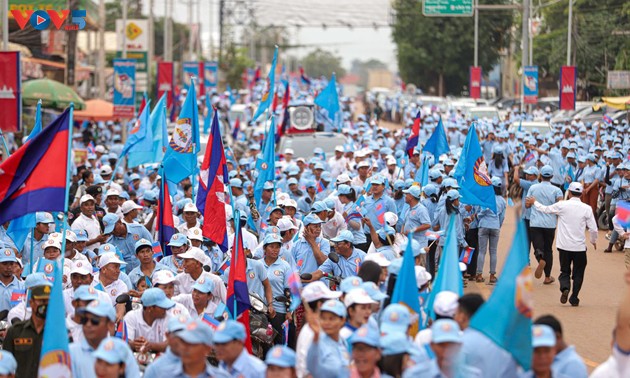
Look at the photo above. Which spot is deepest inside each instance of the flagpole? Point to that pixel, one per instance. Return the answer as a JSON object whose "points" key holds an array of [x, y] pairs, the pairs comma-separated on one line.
{"points": [[67, 191]]}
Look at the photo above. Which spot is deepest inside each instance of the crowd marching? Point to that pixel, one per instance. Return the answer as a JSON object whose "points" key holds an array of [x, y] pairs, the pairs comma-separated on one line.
{"points": [[354, 264]]}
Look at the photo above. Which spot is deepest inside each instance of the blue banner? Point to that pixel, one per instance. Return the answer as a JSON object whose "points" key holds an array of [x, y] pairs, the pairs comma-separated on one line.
{"points": [[191, 69], [530, 84], [210, 75], [124, 88]]}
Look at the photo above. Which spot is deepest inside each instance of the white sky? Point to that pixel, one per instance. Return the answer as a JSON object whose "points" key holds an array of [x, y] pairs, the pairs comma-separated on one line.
{"points": [[362, 42]]}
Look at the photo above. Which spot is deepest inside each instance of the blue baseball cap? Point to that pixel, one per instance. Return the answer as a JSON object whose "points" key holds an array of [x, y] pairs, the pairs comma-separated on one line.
{"points": [[106, 248], [415, 247], [434, 174], [7, 255], [112, 350], [37, 279], [395, 318], [196, 332], [395, 343], [156, 297], [366, 334], [372, 290], [178, 240], [229, 330], [82, 235], [319, 206], [44, 217], [350, 283], [543, 336], [344, 189], [268, 185], [546, 171], [318, 166], [142, 243], [452, 194], [414, 190], [271, 238], [310, 184], [203, 285], [134, 176], [445, 331], [385, 231], [343, 236], [531, 171], [176, 323], [335, 306], [430, 189], [280, 355], [85, 293], [8, 364], [311, 219], [101, 309], [377, 180], [292, 181], [149, 195], [109, 221]]}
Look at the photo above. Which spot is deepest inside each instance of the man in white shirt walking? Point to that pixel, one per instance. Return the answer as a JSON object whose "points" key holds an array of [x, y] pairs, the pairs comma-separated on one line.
{"points": [[573, 217]]}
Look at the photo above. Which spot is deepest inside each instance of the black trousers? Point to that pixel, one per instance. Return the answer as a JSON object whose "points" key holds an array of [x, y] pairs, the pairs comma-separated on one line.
{"points": [[472, 238], [276, 323], [542, 239], [529, 237], [575, 273], [431, 260]]}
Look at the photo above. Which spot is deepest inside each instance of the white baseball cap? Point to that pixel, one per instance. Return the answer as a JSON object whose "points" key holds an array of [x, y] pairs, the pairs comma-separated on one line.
{"points": [[422, 276], [285, 223], [52, 242], [289, 151], [129, 205], [85, 198], [163, 277], [446, 303], [357, 296], [112, 192], [106, 170], [318, 290], [190, 207], [195, 234], [575, 187], [290, 203], [195, 254], [378, 258], [109, 258], [81, 267]]}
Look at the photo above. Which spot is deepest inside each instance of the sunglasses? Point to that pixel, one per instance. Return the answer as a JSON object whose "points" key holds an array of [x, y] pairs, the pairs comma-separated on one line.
{"points": [[93, 321]]}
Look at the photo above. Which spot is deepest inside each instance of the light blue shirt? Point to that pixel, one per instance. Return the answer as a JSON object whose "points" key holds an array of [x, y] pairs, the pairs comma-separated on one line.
{"points": [[278, 276], [38, 252], [82, 357], [525, 184], [442, 219], [388, 252], [166, 362], [256, 274], [328, 358], [357, 233], [169, 261], [558, 163], [126, 245], [376, 209], [546, 194], [430, 206], [245, 366], [590, 174], [303, 254], [489, 219], [482, 353], [416, 217], [136, 274], [347, 267], [7, 290], [569, 363]]}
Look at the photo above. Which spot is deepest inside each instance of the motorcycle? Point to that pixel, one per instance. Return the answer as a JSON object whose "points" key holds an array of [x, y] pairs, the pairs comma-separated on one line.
{"points": [[262, 333]]}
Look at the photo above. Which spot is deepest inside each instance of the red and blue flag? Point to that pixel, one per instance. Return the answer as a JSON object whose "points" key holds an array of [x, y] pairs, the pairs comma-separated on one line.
{"points": [[166, 226], [91, 149], [157, 251], [295, 288], [623, 213], [209, 320], [121, 331], [237, 302], [17, 296], [213, 177], [412, 142], [466, 255], [34, 177], [305, 79], [224, 266]]}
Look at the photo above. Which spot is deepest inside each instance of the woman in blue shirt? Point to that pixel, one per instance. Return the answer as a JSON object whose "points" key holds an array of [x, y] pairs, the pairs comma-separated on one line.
{"points": [[278, 272], [498, 165], [489, 230], [443, 216]]}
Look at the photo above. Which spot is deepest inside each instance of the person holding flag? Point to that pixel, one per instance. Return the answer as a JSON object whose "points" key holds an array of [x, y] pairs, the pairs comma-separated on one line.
{"points": [[10, 283], [490, 223]]}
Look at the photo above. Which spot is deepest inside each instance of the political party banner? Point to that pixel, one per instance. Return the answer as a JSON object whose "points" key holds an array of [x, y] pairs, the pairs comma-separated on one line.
{"points": [[165, 82], [568, 79], [124, 88], [190, 69], [530, 84], [10, 91], [475, 82], [210, 75], [80, 156]]}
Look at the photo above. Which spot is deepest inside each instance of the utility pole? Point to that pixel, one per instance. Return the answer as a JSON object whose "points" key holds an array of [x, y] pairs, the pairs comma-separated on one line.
{"points": [[190, 24], [5, 25], [476, 10], [569, 27], [101, 51], [71, 52], [221, 11], [525, 48], [124, 29], [211, 24], [151, 44], [198, 44]]}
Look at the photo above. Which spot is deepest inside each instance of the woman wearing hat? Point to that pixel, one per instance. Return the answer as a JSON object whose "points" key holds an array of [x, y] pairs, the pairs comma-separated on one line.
{"points": [[490, 223], [442, 220], [351, 214]]}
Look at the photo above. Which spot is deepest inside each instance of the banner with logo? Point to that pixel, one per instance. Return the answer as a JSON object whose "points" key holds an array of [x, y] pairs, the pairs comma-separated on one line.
{"points": [[568, 80], [530, 84], [124, 88], [210, 75], [165, 82], [475, 82], [190, 69], [10, 91]]}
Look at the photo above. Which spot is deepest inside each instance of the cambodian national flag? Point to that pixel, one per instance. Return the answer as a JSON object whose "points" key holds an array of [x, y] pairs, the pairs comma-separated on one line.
{"points": [[166, 225], [157, 251], [623, 213], [238, 303], [320, 186], [466, 255], [295, 287], [607, 120], [34, 177], [434, 235], [412, 142], [224, 266], [305, 79], [17, 296], [213, 177], [209, 320], [91, 149], [121, 331], [237, 128]]}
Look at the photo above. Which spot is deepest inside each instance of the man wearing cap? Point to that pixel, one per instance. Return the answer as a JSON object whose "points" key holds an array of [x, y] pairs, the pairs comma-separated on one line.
{"points": [[97, 320], [179, 245], [190, 216], [199, 301], [82, 296], [71, 252], [108, 277], [89, 222], [417, 220], [573, 218], [112, 202], [193, 261], [124, 237], [377, 204], [338, 163], [81, 273], [350, 258], [148, 266], [196, 345], [146, 326], [543, 225], [37, 238], [9, 283], [229, 339], [310, 250], [130, 211], [363, 169], [24, 338]]}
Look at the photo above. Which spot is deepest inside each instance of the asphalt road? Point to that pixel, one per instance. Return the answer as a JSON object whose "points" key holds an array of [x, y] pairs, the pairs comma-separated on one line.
{"points": [[588, 326]]}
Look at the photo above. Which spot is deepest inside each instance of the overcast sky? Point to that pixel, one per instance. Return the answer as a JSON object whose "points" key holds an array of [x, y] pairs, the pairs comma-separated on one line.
{"points": [[362, 42]]}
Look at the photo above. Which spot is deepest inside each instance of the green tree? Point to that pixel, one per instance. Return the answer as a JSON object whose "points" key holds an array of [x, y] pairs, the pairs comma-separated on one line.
{"points": [[113, 12], [233, 62], [322, 63], [437, 51]]}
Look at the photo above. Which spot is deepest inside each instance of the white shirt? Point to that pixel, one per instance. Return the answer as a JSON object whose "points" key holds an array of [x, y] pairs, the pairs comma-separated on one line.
{"points": [[184, 283], [112, 290], [621, 231], [573, 217], [137, 327], [616, 366], [304, 341], [68, 295], [183, 228], [333, 226], [91, 226], [187, 301], [75, 329]]}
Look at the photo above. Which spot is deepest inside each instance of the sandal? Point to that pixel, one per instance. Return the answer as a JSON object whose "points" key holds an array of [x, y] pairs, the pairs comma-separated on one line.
{"points": [[549, 281], [479, 278], [493, 279]]}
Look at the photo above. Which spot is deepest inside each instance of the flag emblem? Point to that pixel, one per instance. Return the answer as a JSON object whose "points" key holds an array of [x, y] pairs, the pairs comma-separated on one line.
{"points": [[252, 275], [524, 292], [480, 172], [264, 165], [48, 268], [55, 363], [182, 136], [136, 127], [7, 252]]}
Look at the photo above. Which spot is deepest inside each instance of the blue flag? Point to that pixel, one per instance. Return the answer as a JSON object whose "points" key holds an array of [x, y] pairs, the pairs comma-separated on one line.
{"points": [[437, 143], [448, 276], [38, 121], [55, 355], [180, 160], [406, 287], [472, 174], [268, 96], [424, 171], [19, 228], [266, 163], [159, 125], [328, 99], [506, 318], [140, 151]]}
